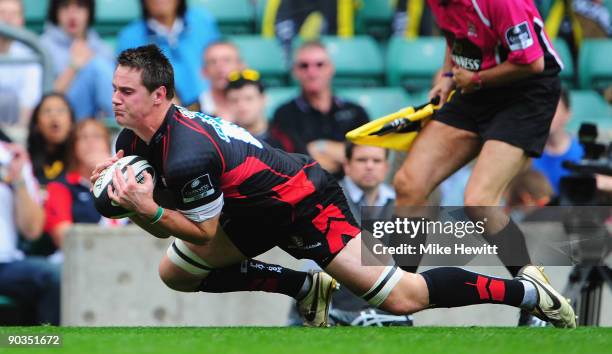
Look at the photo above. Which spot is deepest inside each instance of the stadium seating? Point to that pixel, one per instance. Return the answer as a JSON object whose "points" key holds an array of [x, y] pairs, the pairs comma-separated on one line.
{"points": [[589, 106], [567, 74], [264, 55], [276, 96], [233, 16], [413, 63], [113, 15], [374, 18], [418, 98], [378, 101], [358, 61], [544, 7], [594, 69], [35, 13]]}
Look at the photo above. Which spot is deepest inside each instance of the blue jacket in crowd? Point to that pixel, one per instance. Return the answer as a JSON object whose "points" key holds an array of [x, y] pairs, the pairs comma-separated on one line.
{"points": [[184, 46]]}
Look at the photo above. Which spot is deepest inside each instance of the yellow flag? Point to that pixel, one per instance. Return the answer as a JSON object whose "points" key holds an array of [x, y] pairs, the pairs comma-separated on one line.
{"points": [[366, 134]]}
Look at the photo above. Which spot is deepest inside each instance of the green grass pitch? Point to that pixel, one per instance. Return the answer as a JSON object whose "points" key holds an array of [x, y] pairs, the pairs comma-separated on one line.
{"points": [[239, 340]]}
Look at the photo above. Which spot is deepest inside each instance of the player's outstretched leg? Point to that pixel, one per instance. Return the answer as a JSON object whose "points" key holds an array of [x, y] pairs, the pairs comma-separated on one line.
{"points": [[218, 267], [313, 290], [400, 292]]}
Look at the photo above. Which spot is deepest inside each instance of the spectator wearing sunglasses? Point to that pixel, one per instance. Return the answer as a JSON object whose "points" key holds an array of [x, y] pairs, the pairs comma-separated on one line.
{"points": [[245, 95], [316, 121]]}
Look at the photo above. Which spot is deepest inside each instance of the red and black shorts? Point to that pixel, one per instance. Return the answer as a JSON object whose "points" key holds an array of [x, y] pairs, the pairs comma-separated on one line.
{"points": [[519, 114], [318, 228]]}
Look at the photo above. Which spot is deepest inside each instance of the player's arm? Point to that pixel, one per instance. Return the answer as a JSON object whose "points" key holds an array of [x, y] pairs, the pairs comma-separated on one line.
{"points": [[154, 229], [504, 73], [184, 228], [29, 215], [174, 223], [445, 84], [514, 26], [160, 222]]}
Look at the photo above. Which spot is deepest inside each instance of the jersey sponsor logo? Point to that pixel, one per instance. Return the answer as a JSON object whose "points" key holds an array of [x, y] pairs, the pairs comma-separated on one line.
{"points": [[519, 37], [198, 188], [467, 63], [224, 129]]}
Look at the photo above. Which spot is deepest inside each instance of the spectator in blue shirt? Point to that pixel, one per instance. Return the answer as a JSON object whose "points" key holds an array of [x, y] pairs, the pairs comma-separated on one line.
{"points": [[83, 63], [560, 146], [182, 34]]}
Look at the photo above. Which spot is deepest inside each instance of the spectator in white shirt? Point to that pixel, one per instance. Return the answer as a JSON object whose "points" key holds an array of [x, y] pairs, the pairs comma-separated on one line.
{"points": [[20, 84], [32, 281]]}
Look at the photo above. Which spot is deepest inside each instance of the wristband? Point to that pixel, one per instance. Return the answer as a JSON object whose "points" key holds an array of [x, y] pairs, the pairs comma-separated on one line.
{"points": [[477, 80], [158, 215]]}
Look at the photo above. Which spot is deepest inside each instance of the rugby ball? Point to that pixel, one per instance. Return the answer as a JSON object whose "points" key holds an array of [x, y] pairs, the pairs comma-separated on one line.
{"points": [[105, 206]]}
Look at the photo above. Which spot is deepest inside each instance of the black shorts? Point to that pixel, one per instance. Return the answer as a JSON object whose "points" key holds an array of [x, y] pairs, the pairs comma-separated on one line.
{"points": [[519, 115], [319, 228]]}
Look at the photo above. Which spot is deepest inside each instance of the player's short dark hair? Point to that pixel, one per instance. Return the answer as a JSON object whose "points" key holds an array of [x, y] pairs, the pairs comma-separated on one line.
{"points": [[55, 5], [180, 9], [565, 97], [156, 68], [350, 147]]}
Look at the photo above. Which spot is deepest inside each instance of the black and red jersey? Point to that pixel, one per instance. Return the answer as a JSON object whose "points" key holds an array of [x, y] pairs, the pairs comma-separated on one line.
{"points": [[209, 165]]}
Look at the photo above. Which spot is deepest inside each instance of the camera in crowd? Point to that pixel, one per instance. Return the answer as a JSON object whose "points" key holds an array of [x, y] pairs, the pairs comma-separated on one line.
{"points": [[586, 224], [587, 213], [580, 188]]}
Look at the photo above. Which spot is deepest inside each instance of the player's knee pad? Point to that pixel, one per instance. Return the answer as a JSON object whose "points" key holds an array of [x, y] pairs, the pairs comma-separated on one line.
{"points": [[379, 292], [187, 260]]}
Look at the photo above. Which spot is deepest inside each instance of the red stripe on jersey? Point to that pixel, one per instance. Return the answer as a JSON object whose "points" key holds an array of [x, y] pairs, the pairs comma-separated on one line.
{"points": [[231, 180], [166, 147], [291, 191], [332, 223], [195, 127], [283, 139], [295, 189]]}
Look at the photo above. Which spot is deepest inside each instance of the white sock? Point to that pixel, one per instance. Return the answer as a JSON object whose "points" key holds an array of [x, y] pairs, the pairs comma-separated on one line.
{"points": [[530, 298], [305, 287]]}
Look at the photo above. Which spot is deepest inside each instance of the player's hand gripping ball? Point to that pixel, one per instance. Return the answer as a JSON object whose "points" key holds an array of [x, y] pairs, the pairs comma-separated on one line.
{"points": [[103, 203]]}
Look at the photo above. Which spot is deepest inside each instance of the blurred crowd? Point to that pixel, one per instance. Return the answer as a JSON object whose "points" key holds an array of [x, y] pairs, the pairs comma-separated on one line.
{"points": [[51, 141]]}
